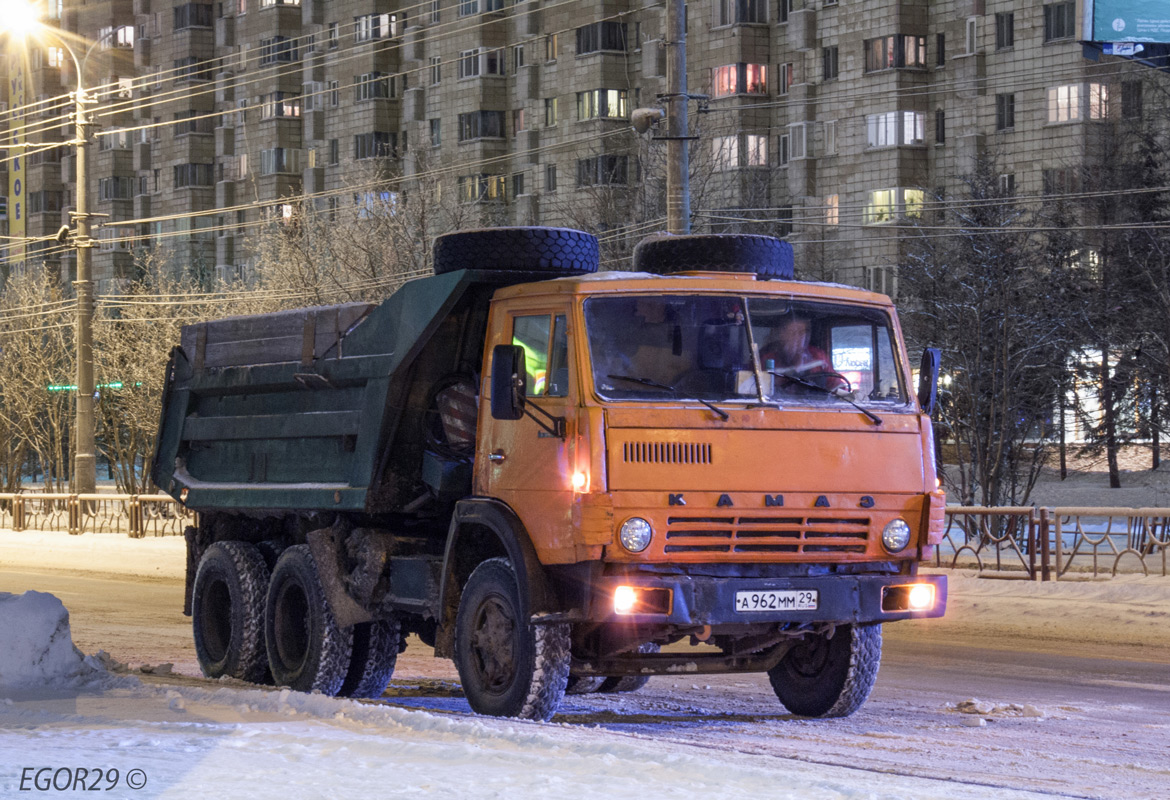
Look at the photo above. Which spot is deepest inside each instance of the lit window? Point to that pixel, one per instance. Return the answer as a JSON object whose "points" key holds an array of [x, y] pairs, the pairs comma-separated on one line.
{"points": [[1064, 103], [895, 128], [832, 210], [739, 79]]}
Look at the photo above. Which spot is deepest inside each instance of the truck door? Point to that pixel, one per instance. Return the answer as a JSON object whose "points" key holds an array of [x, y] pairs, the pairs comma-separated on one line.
{"points": [[528, 467]]}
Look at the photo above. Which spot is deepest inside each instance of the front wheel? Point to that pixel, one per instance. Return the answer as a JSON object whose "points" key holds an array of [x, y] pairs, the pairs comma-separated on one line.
{"points": [[508, 667], [829, 677]]}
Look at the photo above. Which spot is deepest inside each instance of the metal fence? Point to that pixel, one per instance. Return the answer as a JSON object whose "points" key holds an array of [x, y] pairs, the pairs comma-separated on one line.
{"points": [[137, 515], [1055, 543]]}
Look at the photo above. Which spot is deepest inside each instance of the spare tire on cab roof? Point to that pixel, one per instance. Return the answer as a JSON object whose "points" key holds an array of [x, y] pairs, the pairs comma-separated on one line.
{"points": [[764, 256], [555, 251]]}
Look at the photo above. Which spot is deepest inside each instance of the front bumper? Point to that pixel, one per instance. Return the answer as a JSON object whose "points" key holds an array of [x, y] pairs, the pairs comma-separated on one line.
{"points": [[697, 601]]}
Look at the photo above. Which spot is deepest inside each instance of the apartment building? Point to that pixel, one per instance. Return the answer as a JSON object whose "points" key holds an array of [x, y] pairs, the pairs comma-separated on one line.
{"points": [[831, 122]]}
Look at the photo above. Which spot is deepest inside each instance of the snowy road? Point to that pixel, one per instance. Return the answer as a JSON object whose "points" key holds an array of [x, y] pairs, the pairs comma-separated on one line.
{"points": [[1081, 716]]}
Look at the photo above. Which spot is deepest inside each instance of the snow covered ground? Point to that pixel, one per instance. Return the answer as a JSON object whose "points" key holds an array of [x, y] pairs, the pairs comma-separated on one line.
{"points": [[1062, 689]]}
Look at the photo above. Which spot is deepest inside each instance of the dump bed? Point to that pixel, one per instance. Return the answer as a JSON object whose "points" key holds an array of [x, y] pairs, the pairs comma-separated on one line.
{"points": [[318, 408]]}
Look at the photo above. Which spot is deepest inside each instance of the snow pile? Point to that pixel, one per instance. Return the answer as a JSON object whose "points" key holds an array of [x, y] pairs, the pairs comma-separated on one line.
{"points": [[38, 649]]}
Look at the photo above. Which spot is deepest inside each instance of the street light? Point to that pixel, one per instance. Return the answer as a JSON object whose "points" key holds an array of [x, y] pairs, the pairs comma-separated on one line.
{"points": [[21, 19]]}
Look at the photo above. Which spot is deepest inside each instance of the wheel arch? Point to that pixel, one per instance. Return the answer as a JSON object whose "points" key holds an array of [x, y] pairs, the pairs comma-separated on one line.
{"points": [[483, 528]]}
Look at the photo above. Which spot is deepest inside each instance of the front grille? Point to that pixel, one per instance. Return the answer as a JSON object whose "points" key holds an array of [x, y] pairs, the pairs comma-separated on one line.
{"points": [[766, 534], [666, 452]]}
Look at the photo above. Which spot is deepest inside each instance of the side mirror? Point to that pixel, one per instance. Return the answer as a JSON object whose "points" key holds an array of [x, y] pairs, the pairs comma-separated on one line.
{"points": [[928, 379], [509, 377]]}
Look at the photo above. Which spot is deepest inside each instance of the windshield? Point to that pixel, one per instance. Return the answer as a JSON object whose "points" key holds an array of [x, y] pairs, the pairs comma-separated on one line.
{"points": [[741, 349]]}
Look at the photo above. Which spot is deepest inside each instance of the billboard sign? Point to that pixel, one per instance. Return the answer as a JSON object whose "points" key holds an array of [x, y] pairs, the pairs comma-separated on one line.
{"points": [[1127, 21]]}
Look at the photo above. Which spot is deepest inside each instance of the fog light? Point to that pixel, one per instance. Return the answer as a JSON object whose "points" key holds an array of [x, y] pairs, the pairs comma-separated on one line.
{"points": [[896, 535], [580, 482], [921, 597], [635, 534], [624, 599]]}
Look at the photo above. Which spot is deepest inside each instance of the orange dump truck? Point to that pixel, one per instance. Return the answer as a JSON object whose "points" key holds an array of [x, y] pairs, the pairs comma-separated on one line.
{"points": [[564, 480]]}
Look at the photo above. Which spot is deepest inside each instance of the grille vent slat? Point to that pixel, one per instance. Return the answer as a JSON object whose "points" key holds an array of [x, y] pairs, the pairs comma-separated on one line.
{"points": [[667, 453], [705, 534]]}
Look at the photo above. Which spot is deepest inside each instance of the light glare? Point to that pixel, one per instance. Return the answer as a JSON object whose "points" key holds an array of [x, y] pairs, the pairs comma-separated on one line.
{"points": [[624, 599], [921, 597], [580, 482], [19, 18]]}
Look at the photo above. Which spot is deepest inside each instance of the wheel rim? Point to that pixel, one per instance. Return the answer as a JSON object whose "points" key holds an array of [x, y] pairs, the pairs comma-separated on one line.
{"points": [[810, 658], [493, 644], [291, 626], [215, 623]]}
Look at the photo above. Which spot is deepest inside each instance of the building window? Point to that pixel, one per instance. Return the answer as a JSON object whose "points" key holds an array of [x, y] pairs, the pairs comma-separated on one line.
{"points": [[188, 175], [607, 170], [481, 125], [191, 68], [784, 7], [334, 93], [1059, 181], [1005, 30], [280, 161], [1059, 21], [517, 57], [519, 122], [739, 79], [518, 188], [372, 86], [436, 132], [469, 7], [895, 52], [972, 35], [551, 46], [888, 205], [787, 77], [724, 152], [601, 36], [895, 128], [192, 15], [482, 188], [783, 149], [1005, 112], [331, 36], [1007, 184], [278, 49], [1131, 100], [832, 210], [1072, 103], [192, 122], [603, 104], [736, 12], [481, 61], [550, 179], [115, 188], [334, 152], [550, 111], [274, 3], [940, 126], [940, 46], [378, 144], [369, 27], [829, 63], [436, 64], [280, 104], [831, 138], [798, 140]]}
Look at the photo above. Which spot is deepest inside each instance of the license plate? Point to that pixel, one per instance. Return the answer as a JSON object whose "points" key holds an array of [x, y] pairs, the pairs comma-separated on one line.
{"points": [[789, 600]]}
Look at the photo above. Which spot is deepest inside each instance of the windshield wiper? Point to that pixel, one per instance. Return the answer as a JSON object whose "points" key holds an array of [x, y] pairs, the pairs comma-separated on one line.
{"points": [[655, 384], [831, 392]]}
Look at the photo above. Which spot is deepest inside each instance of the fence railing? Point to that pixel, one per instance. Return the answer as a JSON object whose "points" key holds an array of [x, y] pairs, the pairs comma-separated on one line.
{"points": [[137, 515], [1054, 543]]}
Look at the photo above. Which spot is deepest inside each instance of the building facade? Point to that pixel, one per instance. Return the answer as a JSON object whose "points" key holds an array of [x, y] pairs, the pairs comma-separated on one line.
{"points": [[835, 123]]}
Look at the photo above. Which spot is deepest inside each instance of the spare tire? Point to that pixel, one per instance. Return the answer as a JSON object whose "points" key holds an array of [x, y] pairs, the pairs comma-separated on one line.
{"points": [[555, 251], [765, 256]]}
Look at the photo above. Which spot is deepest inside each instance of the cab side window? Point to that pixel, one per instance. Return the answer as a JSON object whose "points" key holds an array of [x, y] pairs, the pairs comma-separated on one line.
{"points": [[546, 353]]}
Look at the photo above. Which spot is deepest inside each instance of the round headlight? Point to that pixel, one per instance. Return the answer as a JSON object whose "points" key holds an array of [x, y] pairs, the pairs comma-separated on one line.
{"points": [[896, 535], [635, 534]]}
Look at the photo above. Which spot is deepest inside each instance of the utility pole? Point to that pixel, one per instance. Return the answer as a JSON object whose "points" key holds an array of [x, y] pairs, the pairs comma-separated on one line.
{"points": [[678, 166], [85, 447]]}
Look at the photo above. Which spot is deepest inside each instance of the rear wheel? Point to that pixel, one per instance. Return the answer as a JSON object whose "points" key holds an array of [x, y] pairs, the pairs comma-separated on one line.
{"points": [[227, 612], [375, 651], [508, 667], [829, 677], [307, 650]]}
